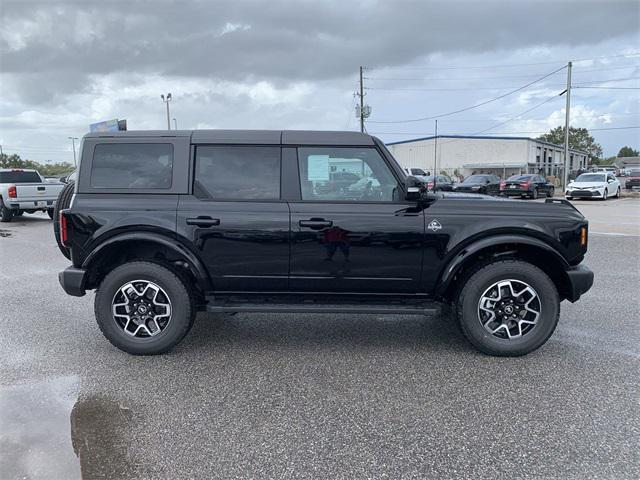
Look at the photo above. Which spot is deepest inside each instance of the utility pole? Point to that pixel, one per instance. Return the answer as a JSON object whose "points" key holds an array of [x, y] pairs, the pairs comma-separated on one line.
{"points": [[435, 157], [361, 102], [167, 100], [565, 175], [73, 145]]}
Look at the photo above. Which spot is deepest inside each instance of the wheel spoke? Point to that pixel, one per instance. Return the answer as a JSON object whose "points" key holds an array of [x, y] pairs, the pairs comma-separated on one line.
{"points": [[509, 309], [141, 308]]}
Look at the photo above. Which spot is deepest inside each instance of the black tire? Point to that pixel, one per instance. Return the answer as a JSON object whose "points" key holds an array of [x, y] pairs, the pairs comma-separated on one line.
{"points": [[618, 193], [551, 192], [6, 214], [50, 213], [63, 201], [534, 195], [18, 213], [467, 308], [605, 195], [569, 198], [179, 294]]}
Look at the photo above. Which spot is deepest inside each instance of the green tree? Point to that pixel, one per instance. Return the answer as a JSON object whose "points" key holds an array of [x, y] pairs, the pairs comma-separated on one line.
{"points": [[46, 170], [628, 152], [579, 139]]}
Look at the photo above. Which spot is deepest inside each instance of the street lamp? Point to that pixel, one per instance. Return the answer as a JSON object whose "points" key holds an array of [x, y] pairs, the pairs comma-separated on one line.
{"points": [[73, 144], [166, 100]]}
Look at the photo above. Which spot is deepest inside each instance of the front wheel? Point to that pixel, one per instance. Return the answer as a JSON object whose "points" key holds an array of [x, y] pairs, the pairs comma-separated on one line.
{"points": [[618, 193], [534, 195], [508, 308], [144, 308], [605, 194], [551, 192]]}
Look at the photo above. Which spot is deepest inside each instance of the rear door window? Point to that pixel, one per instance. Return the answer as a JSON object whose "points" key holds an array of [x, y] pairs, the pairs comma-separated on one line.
{"points": [[132, 165], [237, 173]]}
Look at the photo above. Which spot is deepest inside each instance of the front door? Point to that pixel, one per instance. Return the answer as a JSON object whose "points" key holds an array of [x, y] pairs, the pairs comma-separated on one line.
{"points": [[235, 219], [350, 230]]}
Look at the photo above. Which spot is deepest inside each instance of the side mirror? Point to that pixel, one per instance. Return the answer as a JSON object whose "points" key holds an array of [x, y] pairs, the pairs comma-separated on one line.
{"points": [[413, 189]]}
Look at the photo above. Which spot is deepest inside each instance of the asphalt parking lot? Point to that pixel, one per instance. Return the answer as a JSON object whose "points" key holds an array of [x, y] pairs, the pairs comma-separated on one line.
{"points": [[305, 396]]}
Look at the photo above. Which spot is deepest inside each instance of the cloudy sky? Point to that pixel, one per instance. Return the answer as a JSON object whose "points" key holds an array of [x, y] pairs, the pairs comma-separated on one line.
{"points": [[271, 64]]}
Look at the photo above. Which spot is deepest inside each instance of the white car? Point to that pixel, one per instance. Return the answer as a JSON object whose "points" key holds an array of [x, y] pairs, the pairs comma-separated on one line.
{"points": [[593, 185]]}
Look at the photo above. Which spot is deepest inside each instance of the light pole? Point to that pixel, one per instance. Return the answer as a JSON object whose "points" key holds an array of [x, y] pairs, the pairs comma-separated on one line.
{"points": [[166, 100], [175, 124], [73, 145]]}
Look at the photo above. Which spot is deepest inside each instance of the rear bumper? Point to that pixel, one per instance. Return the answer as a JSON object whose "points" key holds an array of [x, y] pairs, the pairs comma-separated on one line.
{"points": [[17, 204], [580, 281], [73, 280], [515, 191]]}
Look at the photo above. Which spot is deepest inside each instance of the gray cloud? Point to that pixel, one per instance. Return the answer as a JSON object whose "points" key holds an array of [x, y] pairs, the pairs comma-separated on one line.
{"points": [[277, 41]]}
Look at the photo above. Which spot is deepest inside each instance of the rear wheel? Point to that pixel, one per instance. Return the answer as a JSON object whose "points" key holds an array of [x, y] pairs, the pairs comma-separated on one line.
{"points": [[508, 308], [144, 308], [63, 201], [50, 213], [6, 214]]}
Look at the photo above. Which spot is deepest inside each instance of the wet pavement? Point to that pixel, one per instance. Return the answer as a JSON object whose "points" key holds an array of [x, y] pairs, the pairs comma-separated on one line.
{"points": [[306, 396]]}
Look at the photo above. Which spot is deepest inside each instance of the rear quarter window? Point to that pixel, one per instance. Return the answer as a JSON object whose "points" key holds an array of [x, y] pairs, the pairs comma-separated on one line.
{"points": [[132, 165]]}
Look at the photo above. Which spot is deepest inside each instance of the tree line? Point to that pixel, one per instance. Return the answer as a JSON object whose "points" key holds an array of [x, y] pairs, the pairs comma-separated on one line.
{"points": [[45, 169]]}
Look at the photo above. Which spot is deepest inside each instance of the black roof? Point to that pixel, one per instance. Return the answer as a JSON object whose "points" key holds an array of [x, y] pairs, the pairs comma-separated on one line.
{"points": [[262, 137]]}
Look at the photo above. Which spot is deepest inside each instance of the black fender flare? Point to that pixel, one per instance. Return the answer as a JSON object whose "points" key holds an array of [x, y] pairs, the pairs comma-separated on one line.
{"points": [[452, 267], [200, 272]]}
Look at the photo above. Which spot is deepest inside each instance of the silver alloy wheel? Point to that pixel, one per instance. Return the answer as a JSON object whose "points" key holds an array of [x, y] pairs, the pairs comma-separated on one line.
{"points": [[141, 308], [509, 309]]}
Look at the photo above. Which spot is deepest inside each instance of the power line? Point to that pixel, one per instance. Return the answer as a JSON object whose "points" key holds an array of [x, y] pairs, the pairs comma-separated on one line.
{"points": [[451, 78], [500, 133], [612, 88], [473, 106]]}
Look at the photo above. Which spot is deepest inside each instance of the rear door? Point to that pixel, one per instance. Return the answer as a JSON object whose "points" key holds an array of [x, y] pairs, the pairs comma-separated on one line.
{"points": [[234, 217], [361, 237]]}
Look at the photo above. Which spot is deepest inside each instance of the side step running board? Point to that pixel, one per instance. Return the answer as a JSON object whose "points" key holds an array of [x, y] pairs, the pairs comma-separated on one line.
{"points": [[428, 309]]}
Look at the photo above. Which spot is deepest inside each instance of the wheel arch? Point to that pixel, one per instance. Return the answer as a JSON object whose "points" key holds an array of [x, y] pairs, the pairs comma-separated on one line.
{"points": [[145, 246], [483, 251]]}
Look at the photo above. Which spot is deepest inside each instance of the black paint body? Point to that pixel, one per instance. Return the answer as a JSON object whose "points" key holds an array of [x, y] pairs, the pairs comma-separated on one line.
{"points": [[297, 247]]}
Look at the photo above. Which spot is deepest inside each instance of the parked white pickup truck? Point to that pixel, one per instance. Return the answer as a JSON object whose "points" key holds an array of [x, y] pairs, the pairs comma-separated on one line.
{"points": [[25, 191]]}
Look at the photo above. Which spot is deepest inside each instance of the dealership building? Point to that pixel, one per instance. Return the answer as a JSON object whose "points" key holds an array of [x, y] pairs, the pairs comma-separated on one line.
{"points": [[503, 156]]}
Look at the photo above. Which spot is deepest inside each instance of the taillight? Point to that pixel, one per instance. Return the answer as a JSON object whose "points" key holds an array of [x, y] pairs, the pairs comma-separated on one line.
{"points": [[502, 184], [430, 185], [12, 191], [525, 184], [64, 234]]}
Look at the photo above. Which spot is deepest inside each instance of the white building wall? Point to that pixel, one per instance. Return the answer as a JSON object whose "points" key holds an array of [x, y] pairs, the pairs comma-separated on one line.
{"points": [[453, 153], [514, 155]]}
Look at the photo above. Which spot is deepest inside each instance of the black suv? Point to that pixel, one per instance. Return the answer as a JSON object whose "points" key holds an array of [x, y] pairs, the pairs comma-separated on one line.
{"points": [[163, 224]]}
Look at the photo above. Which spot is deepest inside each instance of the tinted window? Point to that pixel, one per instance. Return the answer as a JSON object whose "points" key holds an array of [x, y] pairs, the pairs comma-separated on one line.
{"points": [[476, 179], [590, 177], [365, 175], [237, 173], [132, 165], [16, 176], [517, 178], [417, 171]]}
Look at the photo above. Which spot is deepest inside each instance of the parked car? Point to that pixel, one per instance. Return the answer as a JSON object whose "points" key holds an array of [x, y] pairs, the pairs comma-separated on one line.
{"points": [[483, 183], [416, 172], [25, 191], [204, 238], [633, 178], [526, 185], [443, 183], [593, 185]]}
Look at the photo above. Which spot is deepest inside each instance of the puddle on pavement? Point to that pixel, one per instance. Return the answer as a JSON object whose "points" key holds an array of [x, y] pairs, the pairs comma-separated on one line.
{"points": [[47, 432]]}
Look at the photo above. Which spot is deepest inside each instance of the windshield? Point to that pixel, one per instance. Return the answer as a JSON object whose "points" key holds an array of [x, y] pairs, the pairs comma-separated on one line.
{"points": [[517, 178], [476, 179], [19, 176], [590, 177]]}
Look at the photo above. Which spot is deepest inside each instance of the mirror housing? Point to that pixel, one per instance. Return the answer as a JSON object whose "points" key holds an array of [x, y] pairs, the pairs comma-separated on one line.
{"points": [[413, 189]]}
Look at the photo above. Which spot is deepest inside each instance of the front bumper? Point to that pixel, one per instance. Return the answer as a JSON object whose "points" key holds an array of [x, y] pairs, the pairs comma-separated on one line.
{"points": [[580, 281], [584, 193], [73, 281]]}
